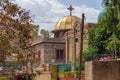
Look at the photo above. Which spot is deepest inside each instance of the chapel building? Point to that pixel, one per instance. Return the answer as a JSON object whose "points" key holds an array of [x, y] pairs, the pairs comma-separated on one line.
{"points": [[64, 47]]}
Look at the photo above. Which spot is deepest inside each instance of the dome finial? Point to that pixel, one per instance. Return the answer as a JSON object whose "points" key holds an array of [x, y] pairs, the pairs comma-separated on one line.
{"points": [[70, 9]]}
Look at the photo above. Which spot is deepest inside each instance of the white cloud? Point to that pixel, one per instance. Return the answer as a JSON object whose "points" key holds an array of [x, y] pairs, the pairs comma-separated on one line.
{"points": [[52, 10]]}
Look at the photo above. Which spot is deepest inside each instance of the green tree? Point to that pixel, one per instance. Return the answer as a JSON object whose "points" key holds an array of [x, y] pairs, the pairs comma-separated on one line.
{"points": [[91, 50], [112, 20], [45, 33], [107, 37]]}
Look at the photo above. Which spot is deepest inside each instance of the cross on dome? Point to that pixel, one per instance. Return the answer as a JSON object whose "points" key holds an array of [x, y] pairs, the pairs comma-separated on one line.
{"points": [[70, 9]]}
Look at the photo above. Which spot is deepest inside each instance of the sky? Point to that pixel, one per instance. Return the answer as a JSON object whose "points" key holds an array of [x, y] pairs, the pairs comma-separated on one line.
{"points": [[46, 13]]}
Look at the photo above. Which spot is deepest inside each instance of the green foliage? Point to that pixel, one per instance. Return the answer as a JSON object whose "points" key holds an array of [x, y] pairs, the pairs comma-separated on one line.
{"points": [[88, 54], [112, 19], [45, 33], [92, 45], [106, 38], [91, 35]]}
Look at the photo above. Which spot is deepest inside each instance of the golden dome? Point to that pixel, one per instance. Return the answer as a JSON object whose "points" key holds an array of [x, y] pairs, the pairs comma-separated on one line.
{"points": [[68, 22]]}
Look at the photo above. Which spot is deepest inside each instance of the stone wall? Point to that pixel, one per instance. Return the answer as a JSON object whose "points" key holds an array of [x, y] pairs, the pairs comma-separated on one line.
{"points": [[47, 47], [50, 51], [102, 70]]}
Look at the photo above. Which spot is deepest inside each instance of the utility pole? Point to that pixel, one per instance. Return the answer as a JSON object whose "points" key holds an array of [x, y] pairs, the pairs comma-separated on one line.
{"points": [[81, 47]]}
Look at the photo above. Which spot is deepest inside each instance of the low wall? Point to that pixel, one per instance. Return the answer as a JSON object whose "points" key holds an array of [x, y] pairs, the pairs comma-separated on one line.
{"points": [[69, 79], [69, 75], [102, 70], [43, 76]]}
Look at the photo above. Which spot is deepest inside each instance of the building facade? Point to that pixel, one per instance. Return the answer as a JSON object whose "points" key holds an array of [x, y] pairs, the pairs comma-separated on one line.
{"points": [[73, 41], [65, 45], [51, 50]]}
